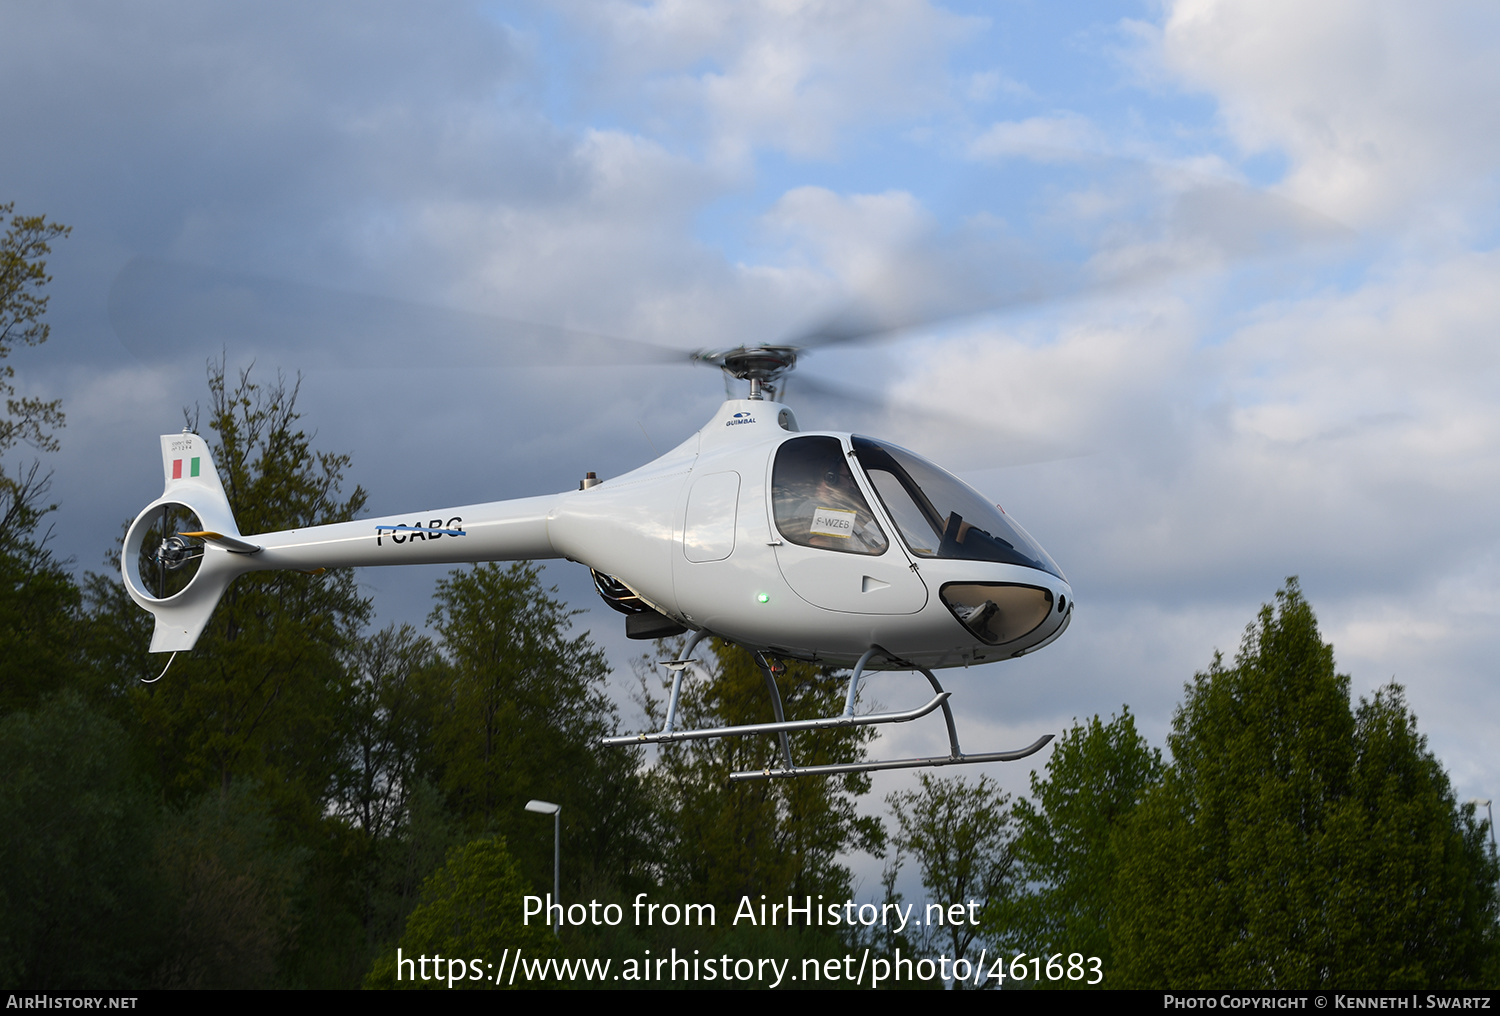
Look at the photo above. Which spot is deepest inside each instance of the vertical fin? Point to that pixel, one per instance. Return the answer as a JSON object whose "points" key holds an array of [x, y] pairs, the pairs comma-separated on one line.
{"points": [[191, 481]]}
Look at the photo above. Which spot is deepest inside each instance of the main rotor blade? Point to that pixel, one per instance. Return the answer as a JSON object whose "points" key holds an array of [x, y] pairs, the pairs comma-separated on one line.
{"points": [[1169, 227], [165, 310], [955, 438], [170, 311]]}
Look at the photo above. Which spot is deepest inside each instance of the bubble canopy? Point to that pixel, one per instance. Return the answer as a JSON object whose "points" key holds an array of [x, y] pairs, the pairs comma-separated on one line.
{"points": [[940, 516]]}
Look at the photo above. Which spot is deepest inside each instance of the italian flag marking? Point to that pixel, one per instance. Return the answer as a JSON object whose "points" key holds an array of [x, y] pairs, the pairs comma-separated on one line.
{"points": [[177, 467]]}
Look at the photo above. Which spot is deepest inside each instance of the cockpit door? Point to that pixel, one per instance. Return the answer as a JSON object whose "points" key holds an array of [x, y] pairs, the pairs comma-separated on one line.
{"points": [[833, 550]]}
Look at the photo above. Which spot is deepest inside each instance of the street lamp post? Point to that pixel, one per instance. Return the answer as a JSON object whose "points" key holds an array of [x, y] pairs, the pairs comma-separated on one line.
{"points": [[555, 810]]}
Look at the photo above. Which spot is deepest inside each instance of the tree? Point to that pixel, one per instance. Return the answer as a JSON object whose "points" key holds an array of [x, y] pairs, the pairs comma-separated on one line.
{"points": [[252, 717], [38, 600], [1295, 843], [260, 696], [230, 890], [1414, 878], [23, 275], [1065, 845], [79, 904], [472, 908], [960, 834], [522, 710], [395, 867], [727, 840], [386, 724], [384, 790]]}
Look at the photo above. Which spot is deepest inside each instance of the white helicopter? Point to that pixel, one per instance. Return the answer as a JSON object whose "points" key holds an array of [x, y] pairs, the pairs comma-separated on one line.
{"points": [[826, 547]]}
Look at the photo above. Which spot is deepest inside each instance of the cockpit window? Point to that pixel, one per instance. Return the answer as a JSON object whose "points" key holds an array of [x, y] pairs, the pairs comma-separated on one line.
{"points": [[817, 502], [941, 516]]}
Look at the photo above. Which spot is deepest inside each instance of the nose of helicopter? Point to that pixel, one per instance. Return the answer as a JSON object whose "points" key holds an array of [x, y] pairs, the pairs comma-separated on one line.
{"points": [[1013, 613]]}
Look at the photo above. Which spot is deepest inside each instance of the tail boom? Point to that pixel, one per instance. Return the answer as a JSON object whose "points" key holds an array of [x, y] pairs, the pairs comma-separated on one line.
{"points": [[498, 531]]}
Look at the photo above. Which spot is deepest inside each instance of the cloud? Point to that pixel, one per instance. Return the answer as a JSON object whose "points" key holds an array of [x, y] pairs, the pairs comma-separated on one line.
{"points": [[985, 86], [778, 75], [1381, 108], [1348, 435], [1059, 137], [852, 236]]}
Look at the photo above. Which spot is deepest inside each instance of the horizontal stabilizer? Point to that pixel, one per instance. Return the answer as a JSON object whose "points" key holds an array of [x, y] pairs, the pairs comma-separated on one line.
{"points": [[229, 543]]}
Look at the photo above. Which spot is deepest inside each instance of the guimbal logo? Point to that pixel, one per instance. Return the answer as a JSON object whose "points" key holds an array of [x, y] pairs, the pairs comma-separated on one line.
{"points": [[739, 418]]}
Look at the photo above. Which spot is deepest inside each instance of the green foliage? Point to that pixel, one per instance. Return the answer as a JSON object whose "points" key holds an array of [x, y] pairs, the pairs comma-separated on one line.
{"points": [[1223, 878], [112, 640], [39, 604], [471, 909], [78, 897], [1414, 878], [401, 826], [253, 719], [396, 866], [259, 697], [522, 709], [1294, 844], [385, 726], [725, 840], [1065, 843], [230, 889], [23, 274], [38, 600], [960, 834]]}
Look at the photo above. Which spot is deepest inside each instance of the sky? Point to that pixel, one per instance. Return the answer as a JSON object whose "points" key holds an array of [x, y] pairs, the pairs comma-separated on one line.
{"points": [[1202, 292]]}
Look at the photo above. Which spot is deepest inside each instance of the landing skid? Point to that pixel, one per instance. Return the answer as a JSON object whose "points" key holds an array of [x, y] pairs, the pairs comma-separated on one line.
{"points": [[782, 726]]}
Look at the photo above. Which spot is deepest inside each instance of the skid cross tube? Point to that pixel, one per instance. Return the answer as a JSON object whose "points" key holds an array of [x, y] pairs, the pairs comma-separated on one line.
{"points": [[670, 735], [785, 726]]}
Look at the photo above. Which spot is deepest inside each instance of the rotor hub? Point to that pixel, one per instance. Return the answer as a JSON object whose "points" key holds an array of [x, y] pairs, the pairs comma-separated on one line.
{"points": [[175, 551], [762, 366]]}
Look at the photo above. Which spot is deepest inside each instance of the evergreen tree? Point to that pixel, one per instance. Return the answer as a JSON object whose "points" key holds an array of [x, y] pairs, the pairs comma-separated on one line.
{"points": [[232, 890], [1294, 844], [1413, 878]]}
